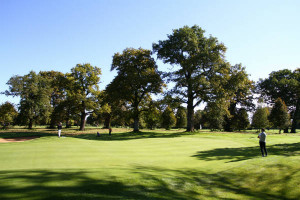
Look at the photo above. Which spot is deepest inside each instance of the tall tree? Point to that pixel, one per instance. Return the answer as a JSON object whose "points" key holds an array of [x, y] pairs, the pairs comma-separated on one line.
{"points": [[279, 115], [201, 64], [199, 119], [241, 89], [215, 112], [260, 118], [181, 117], [152, 116], [137, 78], [283, 84], [112, 109], [241, 119], [168, 118], [57, 83], [84, 89], [34, 91]]}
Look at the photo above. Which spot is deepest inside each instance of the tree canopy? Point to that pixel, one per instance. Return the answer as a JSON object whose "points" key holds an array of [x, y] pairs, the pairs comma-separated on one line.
{"points": [[138, 78], [85, 89], [201, 65], [279, 115], [283, 84], [260, 118], [200, 76], [34, 92], [240, 88], [8, 113]]}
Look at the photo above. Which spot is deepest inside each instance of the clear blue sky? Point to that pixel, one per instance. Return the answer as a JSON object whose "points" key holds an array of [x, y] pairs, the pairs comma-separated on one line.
{"points": [[57, 34]]}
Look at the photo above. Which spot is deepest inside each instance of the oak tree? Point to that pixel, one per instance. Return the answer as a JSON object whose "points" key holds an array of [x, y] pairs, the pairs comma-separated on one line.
{"points": [[137, 78], [199, 63], [84, 89]]}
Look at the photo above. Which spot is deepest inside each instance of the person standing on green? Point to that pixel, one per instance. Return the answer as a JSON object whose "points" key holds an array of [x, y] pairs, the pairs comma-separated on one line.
{"points": [[59, 127], [262, 142]]}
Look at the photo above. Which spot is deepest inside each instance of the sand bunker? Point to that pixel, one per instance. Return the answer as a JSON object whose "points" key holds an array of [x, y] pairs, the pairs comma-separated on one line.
{"points": [[18, 139]]}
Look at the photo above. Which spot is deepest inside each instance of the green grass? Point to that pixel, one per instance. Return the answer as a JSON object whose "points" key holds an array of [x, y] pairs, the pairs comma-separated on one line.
{"points": [[159, 164]]}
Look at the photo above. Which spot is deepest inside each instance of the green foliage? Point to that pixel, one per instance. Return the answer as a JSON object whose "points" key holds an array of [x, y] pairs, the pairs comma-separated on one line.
{"points": [[283, 84], [279, 115], [168, 118], [181, 117], [241, 120], [240, 86], [215, 113], [34, 92], [138, 78], [240, 90], [8, 113], [57, 82], [260, 118], [199, 119], [152, 116], [202, 68], [84, 89]]}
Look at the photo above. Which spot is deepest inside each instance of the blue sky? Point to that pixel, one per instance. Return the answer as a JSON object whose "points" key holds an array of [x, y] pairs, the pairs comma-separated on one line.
{"points": [[58, 34]]}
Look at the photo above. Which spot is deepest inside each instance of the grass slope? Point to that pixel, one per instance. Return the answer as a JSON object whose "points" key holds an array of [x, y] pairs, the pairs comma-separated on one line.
{"points": [[150, 165]]}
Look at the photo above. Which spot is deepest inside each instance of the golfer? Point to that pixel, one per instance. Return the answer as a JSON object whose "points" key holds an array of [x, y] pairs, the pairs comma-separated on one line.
{"points": [[262, 142], [59, 127]]}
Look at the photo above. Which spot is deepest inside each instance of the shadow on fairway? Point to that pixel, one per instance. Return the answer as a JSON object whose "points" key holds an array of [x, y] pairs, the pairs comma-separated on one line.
{"points": [[49, 185], [152, 183], [245, 153], [11, 134], [129, 136]]}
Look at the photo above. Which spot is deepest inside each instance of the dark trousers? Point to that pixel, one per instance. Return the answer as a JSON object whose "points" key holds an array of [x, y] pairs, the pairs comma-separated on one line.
{"points": [[263, 148]]}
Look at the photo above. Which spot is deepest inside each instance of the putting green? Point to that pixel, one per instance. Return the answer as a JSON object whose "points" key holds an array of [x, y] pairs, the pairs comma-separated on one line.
{"points": [[187, 166]]}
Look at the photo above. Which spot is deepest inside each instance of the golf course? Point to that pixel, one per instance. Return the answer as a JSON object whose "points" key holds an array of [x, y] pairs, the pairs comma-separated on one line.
{"points": [[157, 164]]}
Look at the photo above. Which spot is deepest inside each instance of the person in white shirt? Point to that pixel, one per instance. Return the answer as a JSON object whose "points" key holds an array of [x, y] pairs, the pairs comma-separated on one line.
{"points": [[262, 142], [59, 127]]}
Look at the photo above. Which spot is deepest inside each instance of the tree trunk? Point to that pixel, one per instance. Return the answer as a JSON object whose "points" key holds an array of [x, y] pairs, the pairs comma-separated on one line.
{"points": [[68, 123], [82, 122], [83, 116], [227, 124], [228, 120], [296, 116], [136, 124], [30, 124], [190, 105], [107, 121], [190, 116], [68, 114], [52, 123], [136, 116]]}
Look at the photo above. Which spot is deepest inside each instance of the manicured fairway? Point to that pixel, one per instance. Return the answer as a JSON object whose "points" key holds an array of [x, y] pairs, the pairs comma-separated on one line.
{"points": [[151, 165]]}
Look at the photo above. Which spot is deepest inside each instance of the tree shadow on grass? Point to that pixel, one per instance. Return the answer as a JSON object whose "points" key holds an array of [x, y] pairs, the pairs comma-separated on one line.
{"points": [[245, 153], [129, 136], [49, 185], [234, 184], [93, 136], [149, 183], [12, 134]]}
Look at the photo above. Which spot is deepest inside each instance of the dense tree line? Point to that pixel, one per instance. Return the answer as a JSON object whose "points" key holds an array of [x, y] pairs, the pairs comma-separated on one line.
{"points": [[201, 76]]}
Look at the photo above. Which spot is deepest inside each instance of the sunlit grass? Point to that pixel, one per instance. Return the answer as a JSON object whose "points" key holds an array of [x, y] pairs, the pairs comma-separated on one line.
{"points": [[153, 164]]}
